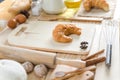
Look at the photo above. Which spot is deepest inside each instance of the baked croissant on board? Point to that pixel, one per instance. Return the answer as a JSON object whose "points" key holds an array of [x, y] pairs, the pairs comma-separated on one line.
{"points": [[101, 4], [62, 31]]}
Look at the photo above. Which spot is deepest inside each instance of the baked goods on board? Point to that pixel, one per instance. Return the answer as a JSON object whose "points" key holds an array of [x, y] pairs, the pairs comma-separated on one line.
{"points": [[62, 31], [102, 4]]}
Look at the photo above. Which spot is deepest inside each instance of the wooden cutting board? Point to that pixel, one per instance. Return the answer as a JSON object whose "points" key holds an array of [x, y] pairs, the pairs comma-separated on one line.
{"points": [[38, 35], [98, 13]]}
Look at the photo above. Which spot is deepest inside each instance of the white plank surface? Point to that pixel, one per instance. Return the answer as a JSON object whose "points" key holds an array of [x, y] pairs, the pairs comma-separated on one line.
{"points": [[112, 73], [102, 73]]}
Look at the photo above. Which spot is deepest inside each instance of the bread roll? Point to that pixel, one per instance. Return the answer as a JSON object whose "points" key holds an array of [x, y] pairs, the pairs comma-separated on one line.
{"points": [[19, 5]]}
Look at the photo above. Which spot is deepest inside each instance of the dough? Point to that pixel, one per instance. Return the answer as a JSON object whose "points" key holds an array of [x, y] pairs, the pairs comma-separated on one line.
{"points": [[11, 70]]}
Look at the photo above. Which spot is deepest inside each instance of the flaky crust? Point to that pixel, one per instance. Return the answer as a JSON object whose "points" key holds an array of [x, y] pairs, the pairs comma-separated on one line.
{"points": [[102, 4], [62, 31]]}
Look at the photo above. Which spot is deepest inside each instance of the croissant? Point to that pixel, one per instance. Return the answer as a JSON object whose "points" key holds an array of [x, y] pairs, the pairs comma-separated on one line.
{"points": [[62, 31], [102, 4]]}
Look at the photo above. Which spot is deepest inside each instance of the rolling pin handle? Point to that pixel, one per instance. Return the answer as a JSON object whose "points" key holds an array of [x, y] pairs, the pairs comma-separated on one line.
{"points": [[74, 63]]}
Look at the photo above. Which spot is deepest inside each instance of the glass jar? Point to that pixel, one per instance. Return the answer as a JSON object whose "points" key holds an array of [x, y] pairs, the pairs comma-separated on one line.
{"points": [[36, 7], [72, 3]]}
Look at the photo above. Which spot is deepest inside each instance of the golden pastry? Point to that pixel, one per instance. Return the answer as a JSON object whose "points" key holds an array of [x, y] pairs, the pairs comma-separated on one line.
{"points": [[62, 31], [102, 4]]}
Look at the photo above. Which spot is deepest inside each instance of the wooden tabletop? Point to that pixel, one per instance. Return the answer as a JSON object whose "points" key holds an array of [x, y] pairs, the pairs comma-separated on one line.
{"points": [[102, 72]]}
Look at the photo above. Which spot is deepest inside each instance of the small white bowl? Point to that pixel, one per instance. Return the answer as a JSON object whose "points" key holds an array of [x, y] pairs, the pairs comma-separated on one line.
{"points": [[55, 11]]}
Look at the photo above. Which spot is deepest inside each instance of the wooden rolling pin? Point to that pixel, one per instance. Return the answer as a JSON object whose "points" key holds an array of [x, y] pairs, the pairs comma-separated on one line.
{"points": [[47, 58], [22, 55]]}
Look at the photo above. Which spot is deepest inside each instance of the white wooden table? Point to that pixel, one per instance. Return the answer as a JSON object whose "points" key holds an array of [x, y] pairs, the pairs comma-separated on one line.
{"points": [[102, 73]]}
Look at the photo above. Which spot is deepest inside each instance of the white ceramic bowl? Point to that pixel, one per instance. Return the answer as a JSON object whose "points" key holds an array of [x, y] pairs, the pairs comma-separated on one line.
{"points": [[55, 11], [12, 70]]}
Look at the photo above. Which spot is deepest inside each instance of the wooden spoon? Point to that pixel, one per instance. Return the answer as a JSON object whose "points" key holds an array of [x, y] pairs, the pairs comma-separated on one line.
{"points": [[78, 71]]}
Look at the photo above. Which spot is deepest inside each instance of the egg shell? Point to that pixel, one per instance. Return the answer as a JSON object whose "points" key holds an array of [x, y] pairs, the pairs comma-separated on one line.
{"points": [[40, 70], [28, 66], [20, 18], [12, 23]]}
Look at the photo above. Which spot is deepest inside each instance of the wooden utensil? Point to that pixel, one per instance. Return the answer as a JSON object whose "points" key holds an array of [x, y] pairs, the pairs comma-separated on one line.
{"points": [[78, 71], [87, 75], [47, 58], [79, 63], [22, 55], [94, 55]]}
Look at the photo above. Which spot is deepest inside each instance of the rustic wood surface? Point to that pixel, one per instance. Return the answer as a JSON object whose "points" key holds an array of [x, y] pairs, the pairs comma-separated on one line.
{"points": [[102, 73]]}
